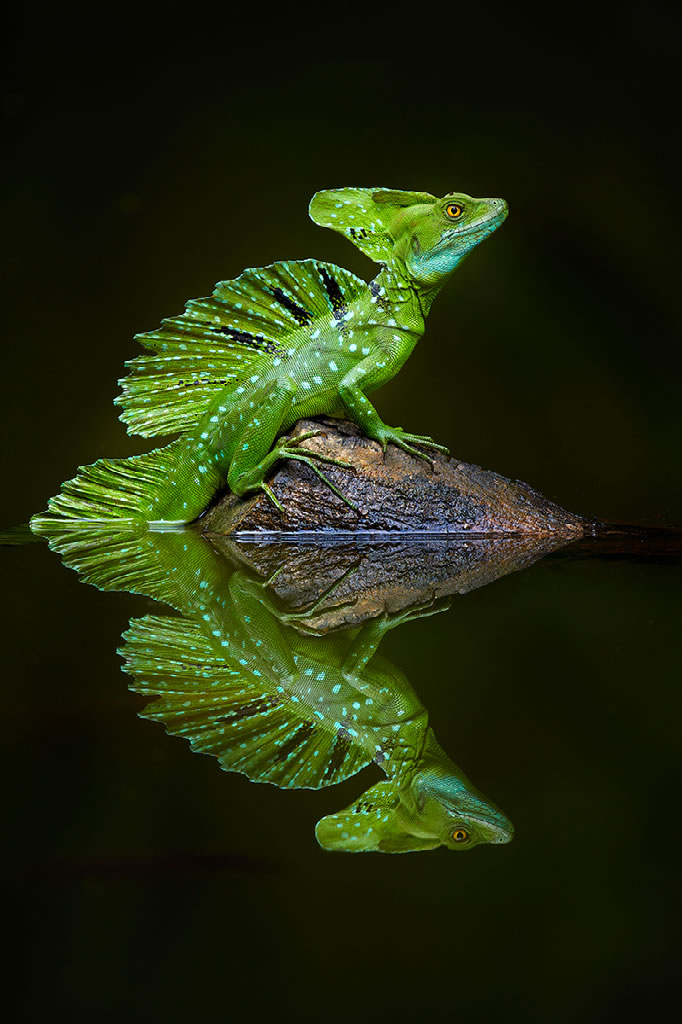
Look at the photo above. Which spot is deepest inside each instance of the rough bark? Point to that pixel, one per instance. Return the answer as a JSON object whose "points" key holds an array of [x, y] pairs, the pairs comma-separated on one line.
{"points": [[394, 493]]}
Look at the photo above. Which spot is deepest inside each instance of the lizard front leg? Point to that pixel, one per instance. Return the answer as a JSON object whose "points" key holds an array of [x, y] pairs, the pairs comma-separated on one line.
{"points": [[352, 386], [366, 643]]}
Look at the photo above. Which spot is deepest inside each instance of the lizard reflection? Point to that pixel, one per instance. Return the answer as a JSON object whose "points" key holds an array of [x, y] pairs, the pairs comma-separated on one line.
{"points": [[234, 677]]}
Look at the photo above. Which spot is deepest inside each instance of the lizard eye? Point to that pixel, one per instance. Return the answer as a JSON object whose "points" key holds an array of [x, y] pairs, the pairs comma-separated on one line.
{"points": [[460, 835], [454, 210]]}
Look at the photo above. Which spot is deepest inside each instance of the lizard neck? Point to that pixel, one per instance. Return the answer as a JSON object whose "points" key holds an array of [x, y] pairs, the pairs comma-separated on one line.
{"points": [[413, 299], [395, 294], [427, 295]]}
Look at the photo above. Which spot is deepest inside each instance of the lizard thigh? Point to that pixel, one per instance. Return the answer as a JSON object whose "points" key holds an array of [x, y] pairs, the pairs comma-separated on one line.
{"points": [[263, 424]]}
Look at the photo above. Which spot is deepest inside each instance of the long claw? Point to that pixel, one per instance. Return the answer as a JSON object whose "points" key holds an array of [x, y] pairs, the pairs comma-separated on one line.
{"points": [[309, 612], [438, 447], [270, 493], [428, 442], [306, 613], [327, 458], [414, 452], [402, 439], [300, 437], [326, 480], [271, 579], [294, 442], [419, 611]]}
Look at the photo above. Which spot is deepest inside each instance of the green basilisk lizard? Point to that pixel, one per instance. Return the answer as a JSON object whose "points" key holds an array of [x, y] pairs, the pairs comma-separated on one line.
{"points": [[294, 339]]}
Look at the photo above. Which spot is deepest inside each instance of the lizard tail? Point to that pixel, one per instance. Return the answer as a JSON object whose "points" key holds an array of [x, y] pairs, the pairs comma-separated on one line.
{"points": [[159, 487]]}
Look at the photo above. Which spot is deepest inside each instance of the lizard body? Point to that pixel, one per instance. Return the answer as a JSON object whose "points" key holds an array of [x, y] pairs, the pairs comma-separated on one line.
{"points": [[276, 344]]}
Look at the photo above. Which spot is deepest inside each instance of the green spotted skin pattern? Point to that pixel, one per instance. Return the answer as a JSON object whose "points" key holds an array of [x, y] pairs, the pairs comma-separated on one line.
{"points": [[237, 369], [234, 676]]}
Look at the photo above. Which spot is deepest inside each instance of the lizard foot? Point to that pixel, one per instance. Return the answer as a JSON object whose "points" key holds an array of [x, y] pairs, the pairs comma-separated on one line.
{"points": [[417, 611], [402, 439], [260, 588], [289, 448]]}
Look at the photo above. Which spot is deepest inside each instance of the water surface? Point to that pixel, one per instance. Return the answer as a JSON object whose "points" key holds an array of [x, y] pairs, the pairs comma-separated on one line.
{"points": [[149, 876]]}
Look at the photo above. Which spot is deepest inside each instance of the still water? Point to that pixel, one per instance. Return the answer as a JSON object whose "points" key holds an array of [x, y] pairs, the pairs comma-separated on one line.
{"points": [[480, 817]]}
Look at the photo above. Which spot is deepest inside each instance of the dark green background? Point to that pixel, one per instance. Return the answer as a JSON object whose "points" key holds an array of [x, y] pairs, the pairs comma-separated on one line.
{"points": [[141, 174], [142, 170]]}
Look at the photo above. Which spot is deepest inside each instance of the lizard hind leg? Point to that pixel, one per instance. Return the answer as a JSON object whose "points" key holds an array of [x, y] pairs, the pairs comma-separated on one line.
{"points": [[253, 457]]}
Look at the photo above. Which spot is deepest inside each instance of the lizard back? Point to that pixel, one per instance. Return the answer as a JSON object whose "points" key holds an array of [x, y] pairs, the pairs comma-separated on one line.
{"points": [[265, 314]]}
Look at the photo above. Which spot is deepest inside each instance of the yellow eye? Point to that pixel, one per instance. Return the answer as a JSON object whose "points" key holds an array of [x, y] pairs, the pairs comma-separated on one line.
{"points": [[454, 210], [460, 835]]}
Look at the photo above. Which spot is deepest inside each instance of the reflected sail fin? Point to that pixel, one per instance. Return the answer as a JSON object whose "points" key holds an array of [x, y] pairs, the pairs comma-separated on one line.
{"points": [[211, 696]]}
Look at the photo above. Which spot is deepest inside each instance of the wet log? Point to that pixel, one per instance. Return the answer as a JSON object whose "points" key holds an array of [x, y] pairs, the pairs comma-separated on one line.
{"points": [[336, 584], [393, 493]]}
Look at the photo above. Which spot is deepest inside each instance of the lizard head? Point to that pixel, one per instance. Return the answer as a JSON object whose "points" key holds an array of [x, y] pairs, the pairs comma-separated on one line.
{"points": [[426, 235], [450, 807], [434, 805]]}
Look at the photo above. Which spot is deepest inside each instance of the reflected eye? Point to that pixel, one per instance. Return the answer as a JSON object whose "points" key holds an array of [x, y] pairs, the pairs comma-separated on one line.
{"points": [[460, 835], [454, 210]]}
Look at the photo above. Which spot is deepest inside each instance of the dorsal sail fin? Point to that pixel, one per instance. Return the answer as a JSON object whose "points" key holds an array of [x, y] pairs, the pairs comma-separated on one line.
{"points": [[217, 341]]}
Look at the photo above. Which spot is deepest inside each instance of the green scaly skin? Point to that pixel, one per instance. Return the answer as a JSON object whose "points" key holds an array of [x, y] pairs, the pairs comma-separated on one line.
{"points": [[328, 364]]}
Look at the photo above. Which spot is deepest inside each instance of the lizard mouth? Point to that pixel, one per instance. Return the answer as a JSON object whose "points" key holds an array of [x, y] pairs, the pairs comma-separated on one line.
{"points": [[500, 828]]}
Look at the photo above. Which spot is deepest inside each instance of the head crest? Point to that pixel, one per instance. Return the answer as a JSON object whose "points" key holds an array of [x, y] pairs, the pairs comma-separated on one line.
{"points": [[364, 215], [372, 823]]}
